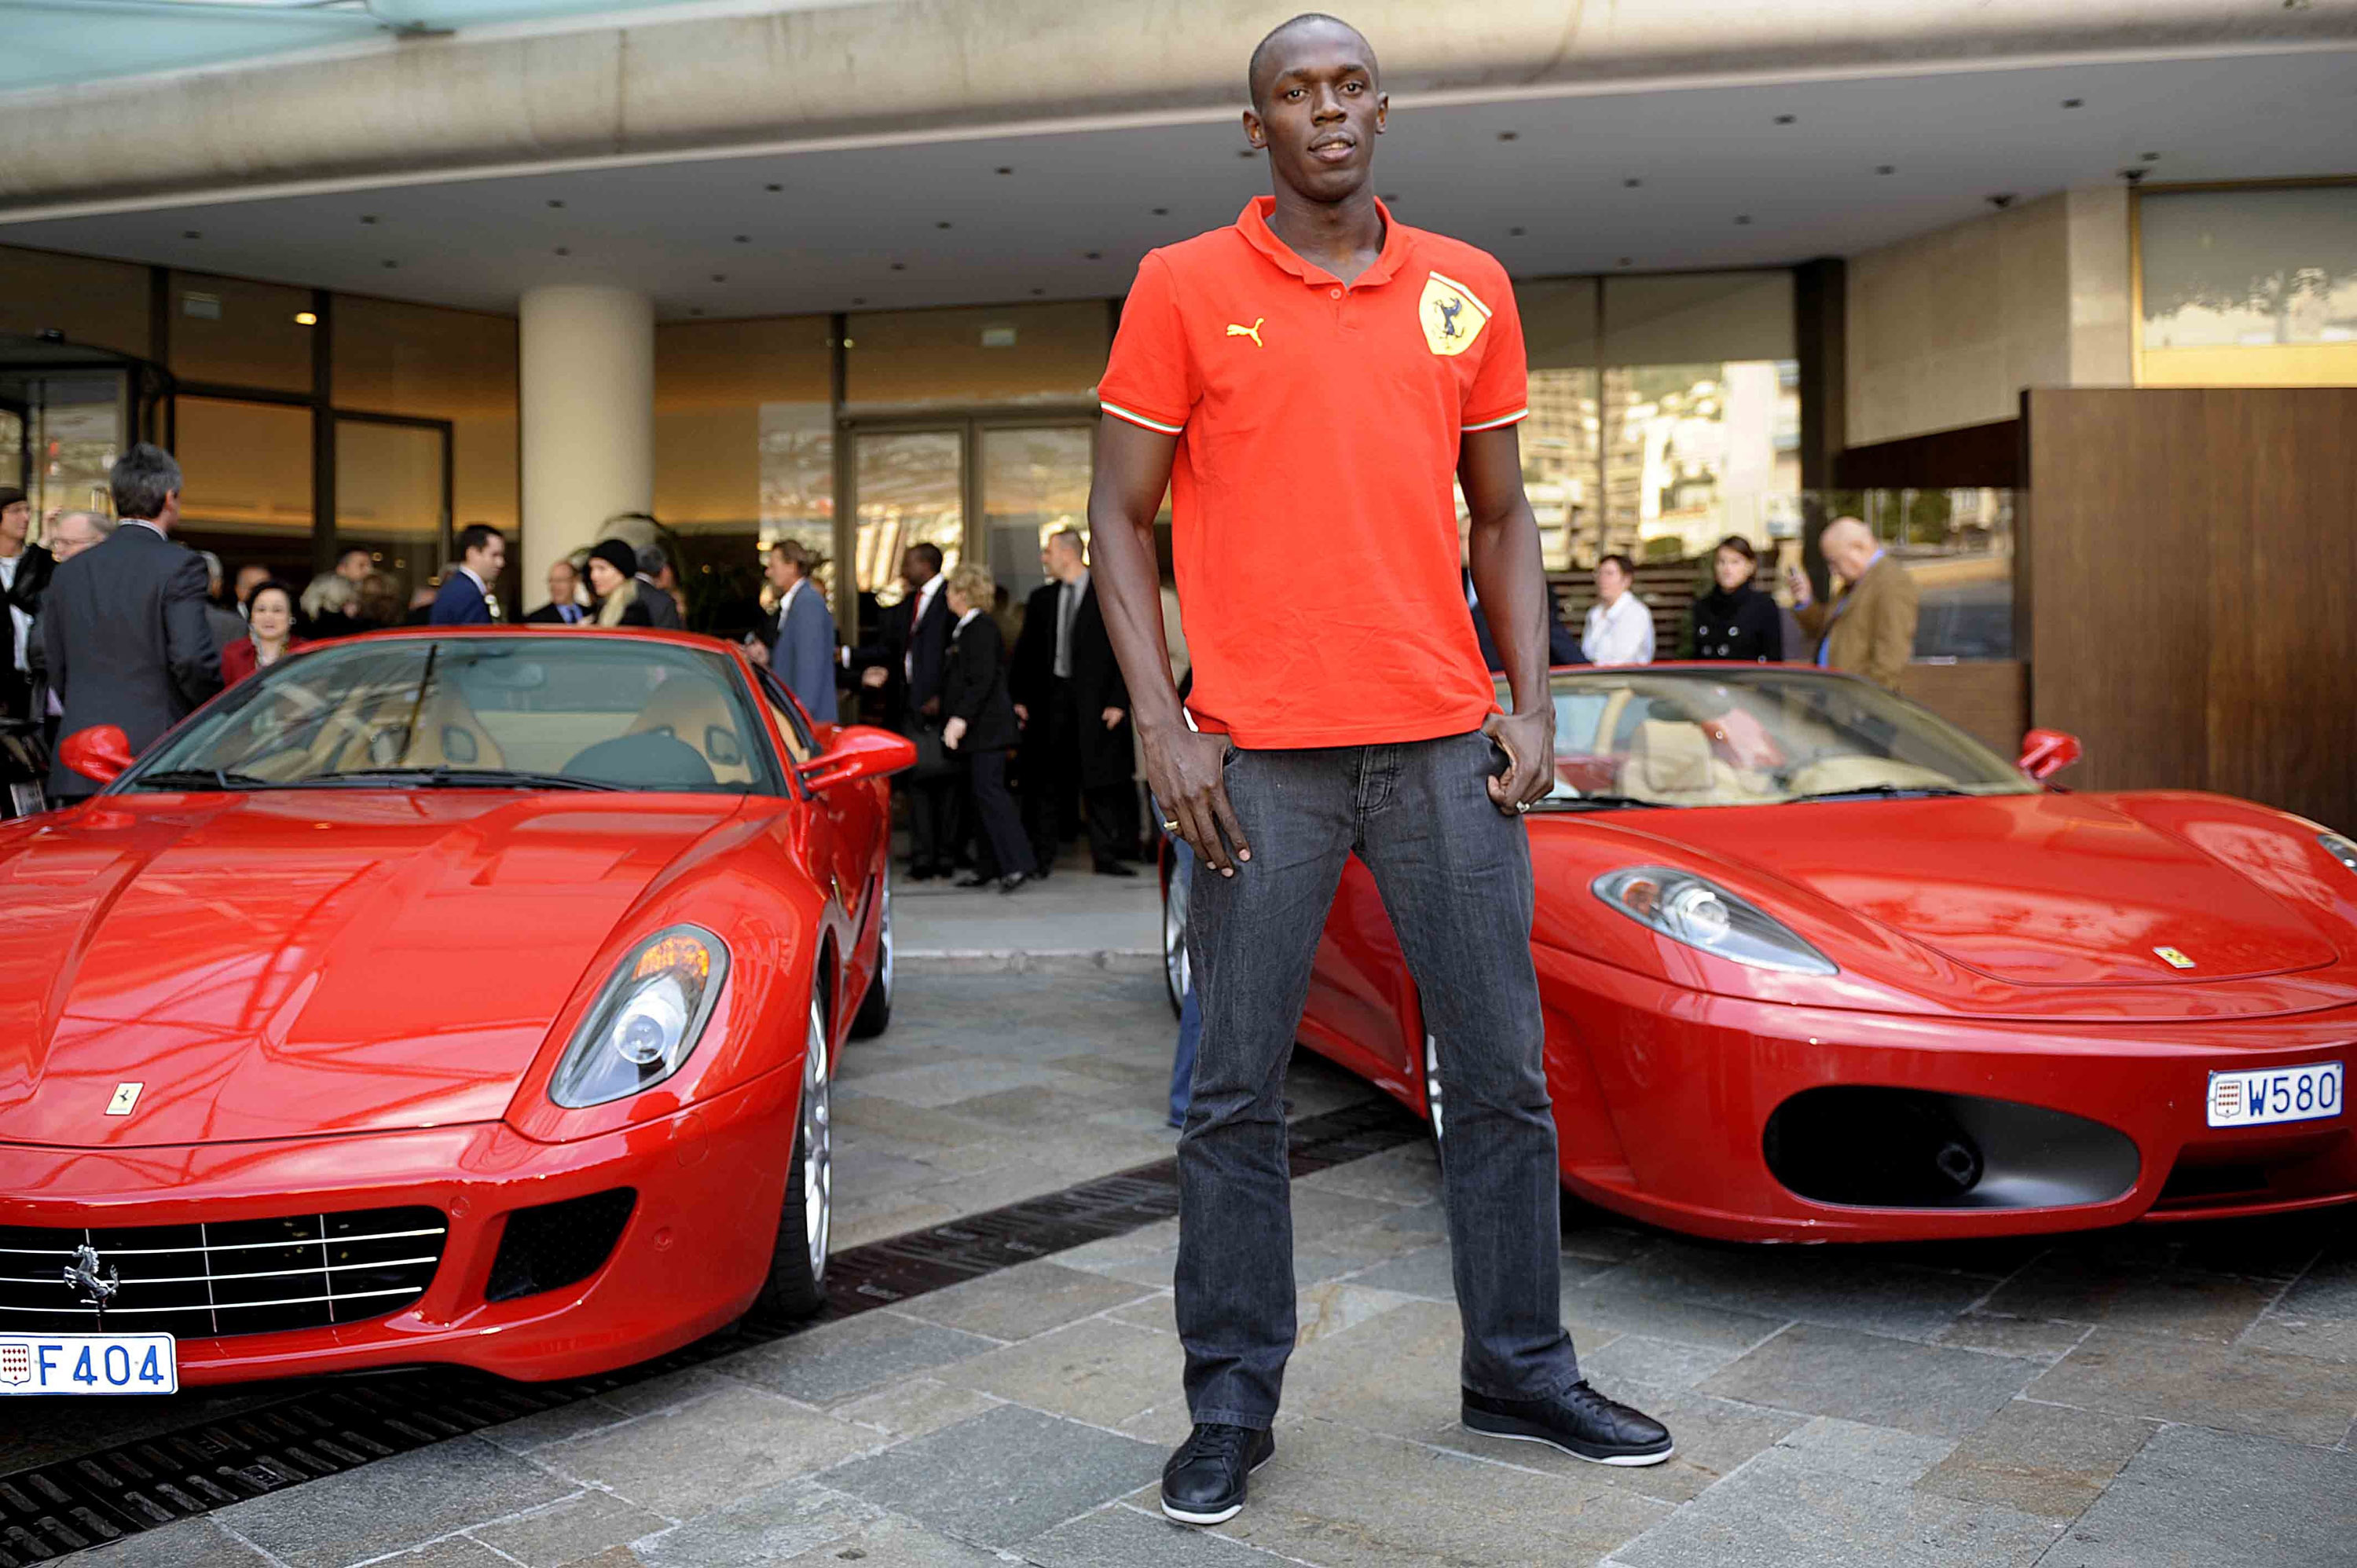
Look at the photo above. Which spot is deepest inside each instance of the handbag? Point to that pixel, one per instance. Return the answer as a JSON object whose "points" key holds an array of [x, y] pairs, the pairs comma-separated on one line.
{"points": [[934, 760]]}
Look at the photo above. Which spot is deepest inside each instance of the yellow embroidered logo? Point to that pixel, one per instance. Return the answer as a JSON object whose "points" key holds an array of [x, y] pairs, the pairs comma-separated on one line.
{"points": [[1451, 314], [1252, 331]]}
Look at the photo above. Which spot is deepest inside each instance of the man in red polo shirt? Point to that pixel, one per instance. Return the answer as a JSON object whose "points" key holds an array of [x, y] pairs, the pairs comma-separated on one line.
{"points": [[1307, 383]]}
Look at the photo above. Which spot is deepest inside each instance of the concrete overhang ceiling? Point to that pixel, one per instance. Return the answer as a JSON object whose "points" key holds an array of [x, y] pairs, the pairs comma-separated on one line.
{"points": [[1639, 180]]}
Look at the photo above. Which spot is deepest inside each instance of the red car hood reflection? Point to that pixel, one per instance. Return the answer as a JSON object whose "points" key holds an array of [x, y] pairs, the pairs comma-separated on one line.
{"points": [[278, 964], [2044, 889]]}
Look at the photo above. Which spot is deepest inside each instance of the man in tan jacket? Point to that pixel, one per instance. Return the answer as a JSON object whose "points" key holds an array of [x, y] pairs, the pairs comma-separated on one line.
{"points": [[1867, 628]]}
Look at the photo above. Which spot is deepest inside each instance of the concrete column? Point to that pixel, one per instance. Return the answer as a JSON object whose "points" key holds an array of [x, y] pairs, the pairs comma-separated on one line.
{"points": [[587, 355]]}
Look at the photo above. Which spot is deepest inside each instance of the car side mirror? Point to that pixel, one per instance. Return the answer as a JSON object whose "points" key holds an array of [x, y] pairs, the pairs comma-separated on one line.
{"points": [[101, 752], [859, 751], [2046, 752]]}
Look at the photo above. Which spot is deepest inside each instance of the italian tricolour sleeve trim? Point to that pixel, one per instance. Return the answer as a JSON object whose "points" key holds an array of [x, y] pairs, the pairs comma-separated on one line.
{"points": [[1492, 424], [1137, 418]]}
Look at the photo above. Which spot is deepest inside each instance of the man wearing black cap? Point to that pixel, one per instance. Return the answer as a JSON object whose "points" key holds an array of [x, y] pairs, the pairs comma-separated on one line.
{"points": [[24, 572]]}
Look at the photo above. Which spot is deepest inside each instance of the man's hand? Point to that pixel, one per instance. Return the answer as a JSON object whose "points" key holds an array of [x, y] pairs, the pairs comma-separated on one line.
{"points": [[1529, 740], [1022, 714], [1184, 771], [1796, 582], [953, 732], [1112, 717], [873, 676]]}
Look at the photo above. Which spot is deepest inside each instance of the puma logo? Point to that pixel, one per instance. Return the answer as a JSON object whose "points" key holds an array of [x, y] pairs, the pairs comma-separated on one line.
{"points": [[1252, 331]]}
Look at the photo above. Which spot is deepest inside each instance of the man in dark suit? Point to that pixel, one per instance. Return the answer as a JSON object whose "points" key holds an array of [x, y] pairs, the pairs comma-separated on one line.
{"points": [[1562, 646], [1075, 708], [123, 624], [907, 663], [467, 597], [563, 606], [656, 580], [24, 572]]}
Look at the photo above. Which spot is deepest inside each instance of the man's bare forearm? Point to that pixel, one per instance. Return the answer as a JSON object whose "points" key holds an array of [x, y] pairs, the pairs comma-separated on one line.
{"points": [[1508, 576], [1133, 468]]}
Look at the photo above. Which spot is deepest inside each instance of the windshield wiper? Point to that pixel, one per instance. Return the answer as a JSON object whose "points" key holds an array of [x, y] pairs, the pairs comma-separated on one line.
{"points": [[443, 776], [1885, 791], [200, 778], [1591, 799]]}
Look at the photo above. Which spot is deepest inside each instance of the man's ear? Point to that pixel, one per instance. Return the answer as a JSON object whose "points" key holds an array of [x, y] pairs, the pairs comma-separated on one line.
{"points": [[1254, 133], [1383, 112]]}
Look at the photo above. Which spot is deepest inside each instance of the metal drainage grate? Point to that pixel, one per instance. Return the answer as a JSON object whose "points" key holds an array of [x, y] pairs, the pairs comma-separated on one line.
{"points": [[324, 1427]]}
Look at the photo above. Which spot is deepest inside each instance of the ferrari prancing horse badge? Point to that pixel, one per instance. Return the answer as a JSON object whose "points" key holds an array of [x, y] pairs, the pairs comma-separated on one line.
{"points": [[1452, 316]]}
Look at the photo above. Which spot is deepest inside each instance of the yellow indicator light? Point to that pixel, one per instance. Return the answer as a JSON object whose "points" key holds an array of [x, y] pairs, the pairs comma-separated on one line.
{"points": [[305, 318], [675, 952]]}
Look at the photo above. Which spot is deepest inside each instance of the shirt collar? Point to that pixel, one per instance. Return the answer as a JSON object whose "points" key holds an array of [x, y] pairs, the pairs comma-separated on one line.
{"points": [[788, 597], [477, 577], [143, 522], [1253, 224], [965, 617]]}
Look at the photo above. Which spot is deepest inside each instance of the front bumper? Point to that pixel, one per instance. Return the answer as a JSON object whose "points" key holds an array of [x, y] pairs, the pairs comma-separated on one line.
{"points": [[1663, 1096], [709, 1180]]}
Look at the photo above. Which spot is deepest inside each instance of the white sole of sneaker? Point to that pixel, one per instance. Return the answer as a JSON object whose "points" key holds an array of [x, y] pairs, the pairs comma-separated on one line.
{"points": [[1224, 1515], [1627, 1461]]}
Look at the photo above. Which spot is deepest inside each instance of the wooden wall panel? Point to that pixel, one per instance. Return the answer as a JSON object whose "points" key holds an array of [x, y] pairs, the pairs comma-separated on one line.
{"points": [[2189, 580], [1988, 699]]}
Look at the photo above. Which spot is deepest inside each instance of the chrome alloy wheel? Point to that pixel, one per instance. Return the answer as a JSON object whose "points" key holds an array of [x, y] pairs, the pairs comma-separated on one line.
{"points": [[818, 1143], [884, 938], [1432, 1084], [1178, 971]]}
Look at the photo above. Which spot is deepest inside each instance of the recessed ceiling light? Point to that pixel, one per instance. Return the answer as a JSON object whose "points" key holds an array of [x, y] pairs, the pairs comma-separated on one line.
{"points": [[774, 187], [389, 265], [2074, 103], [1786, 119], [1743, 218], [1004, 169], [1513, 230], [1162, 212], [556, 204], [858, 299], [1625, 261], [192, 235], [368, 217], [306, 318], [1038, 291], [1886, 168], [720, 277], [941, 225], [1508, 135], [1633, 183], [561, 249], [744, 239], [1092, 255], [695, 310], [2149, 158], [1392, 200], [900, 266]]}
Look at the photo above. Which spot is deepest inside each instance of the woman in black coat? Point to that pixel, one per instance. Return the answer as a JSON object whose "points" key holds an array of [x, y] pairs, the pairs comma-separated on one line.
{"points": [[1736, 621], [980, 722]]}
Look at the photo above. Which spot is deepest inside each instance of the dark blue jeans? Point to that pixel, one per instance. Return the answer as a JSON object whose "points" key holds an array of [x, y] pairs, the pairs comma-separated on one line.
{"points": [[1454, 876]]}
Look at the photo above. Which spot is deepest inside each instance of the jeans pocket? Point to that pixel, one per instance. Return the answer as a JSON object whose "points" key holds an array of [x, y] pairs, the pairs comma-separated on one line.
{"points": [[1228, 758]]}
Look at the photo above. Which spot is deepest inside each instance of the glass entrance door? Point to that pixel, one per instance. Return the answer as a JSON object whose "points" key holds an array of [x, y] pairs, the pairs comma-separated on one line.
{"points": [[393, 499], [909, 489], [1035, 483]]}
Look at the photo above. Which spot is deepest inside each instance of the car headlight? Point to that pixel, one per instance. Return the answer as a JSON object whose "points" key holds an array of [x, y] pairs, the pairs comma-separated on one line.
{"points": [[2341, 849], [1687, 909], [647, 1019]]}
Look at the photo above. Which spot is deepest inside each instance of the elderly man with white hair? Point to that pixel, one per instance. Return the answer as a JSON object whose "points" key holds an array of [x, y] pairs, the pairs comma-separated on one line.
{"points": [[1867, 628]]}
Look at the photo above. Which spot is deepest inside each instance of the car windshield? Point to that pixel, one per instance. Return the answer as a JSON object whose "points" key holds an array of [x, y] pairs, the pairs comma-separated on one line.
{"points": [[1760, 735], [572, 712]]}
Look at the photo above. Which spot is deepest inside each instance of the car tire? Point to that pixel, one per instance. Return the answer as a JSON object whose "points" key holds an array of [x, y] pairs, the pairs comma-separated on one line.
{"points": [[875, 1013], [796, 1287], [1177, 968], [1433, 1106]]}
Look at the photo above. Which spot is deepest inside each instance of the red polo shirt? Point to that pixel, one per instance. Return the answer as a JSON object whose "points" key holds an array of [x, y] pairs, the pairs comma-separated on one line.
{"points": [[1314, 519]]}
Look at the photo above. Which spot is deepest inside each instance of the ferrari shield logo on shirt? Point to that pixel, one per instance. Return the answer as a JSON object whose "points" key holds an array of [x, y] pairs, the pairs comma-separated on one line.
{"points": [[1451, 314]]}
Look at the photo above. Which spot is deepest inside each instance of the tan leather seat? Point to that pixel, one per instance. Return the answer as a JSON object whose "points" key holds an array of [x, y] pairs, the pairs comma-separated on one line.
{"points": [[1671, 762], [694, 712]]}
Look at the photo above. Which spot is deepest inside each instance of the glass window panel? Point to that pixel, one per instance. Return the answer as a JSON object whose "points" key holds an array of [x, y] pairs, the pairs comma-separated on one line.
{"points": [[94, 302], [1558, 439], [245, 470], [389, 502], [70, 429], [1035, 482], [1958, 546], [2254, 286], [459, 365], [1006, 354], [744, 453], [236, 332], [1696, 451], [911, 492]]}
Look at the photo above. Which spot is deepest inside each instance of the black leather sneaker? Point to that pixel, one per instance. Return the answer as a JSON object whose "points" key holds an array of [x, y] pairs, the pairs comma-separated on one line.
{"points": [[1579, 1421], [1204, 1482]]}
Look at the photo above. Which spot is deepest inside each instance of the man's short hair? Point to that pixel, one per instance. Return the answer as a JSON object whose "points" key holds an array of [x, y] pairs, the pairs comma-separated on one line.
{"points": [[9, 496], [652, 560], [1628, 568], [212, 566], [930, 555], [806, 560], [565, 562], [474, 535], [100, 523], [1070, 536], [1262, 50], [349, 550], [142, 479]]}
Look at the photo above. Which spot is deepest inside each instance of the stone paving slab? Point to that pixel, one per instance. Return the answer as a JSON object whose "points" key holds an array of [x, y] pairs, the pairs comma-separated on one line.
{"points": [[853, 1356], [2242, 1389], [2046, 1459], [679, 1463], [1002, 1476], [404, 1500], [1923, 1388], [190, 1543], [2198, 1498]]}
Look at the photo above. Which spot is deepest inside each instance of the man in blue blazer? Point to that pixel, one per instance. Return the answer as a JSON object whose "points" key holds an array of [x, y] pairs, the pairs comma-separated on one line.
{"points": [[467, 597], [798, 643]]}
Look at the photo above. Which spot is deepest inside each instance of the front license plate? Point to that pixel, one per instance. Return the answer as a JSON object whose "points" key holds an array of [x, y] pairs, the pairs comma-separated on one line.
{"points": [[89, 1364], [2279, 1095]]}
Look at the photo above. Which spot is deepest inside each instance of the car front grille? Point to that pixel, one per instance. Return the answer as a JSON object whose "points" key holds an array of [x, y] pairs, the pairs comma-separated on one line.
{"points": [[240, 1276]]}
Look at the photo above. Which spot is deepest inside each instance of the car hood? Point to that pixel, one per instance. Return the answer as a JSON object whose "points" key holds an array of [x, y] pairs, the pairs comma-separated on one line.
{"points": [[285, 963], [2043, 889]]}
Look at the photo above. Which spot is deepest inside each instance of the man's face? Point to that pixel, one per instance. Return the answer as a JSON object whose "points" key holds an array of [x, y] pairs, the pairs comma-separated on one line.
{"points": [[1318, 112], [71, 536], [783, 574], [354, 566], [488, 559], [915, 570], [15, 518], [1849, 549], [561, 583], [1610, 581]]}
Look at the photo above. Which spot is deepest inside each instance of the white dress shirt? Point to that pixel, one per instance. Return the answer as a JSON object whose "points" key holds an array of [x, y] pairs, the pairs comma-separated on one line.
{"points": [[9, 566], [1621, 633], [924, 602]]}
